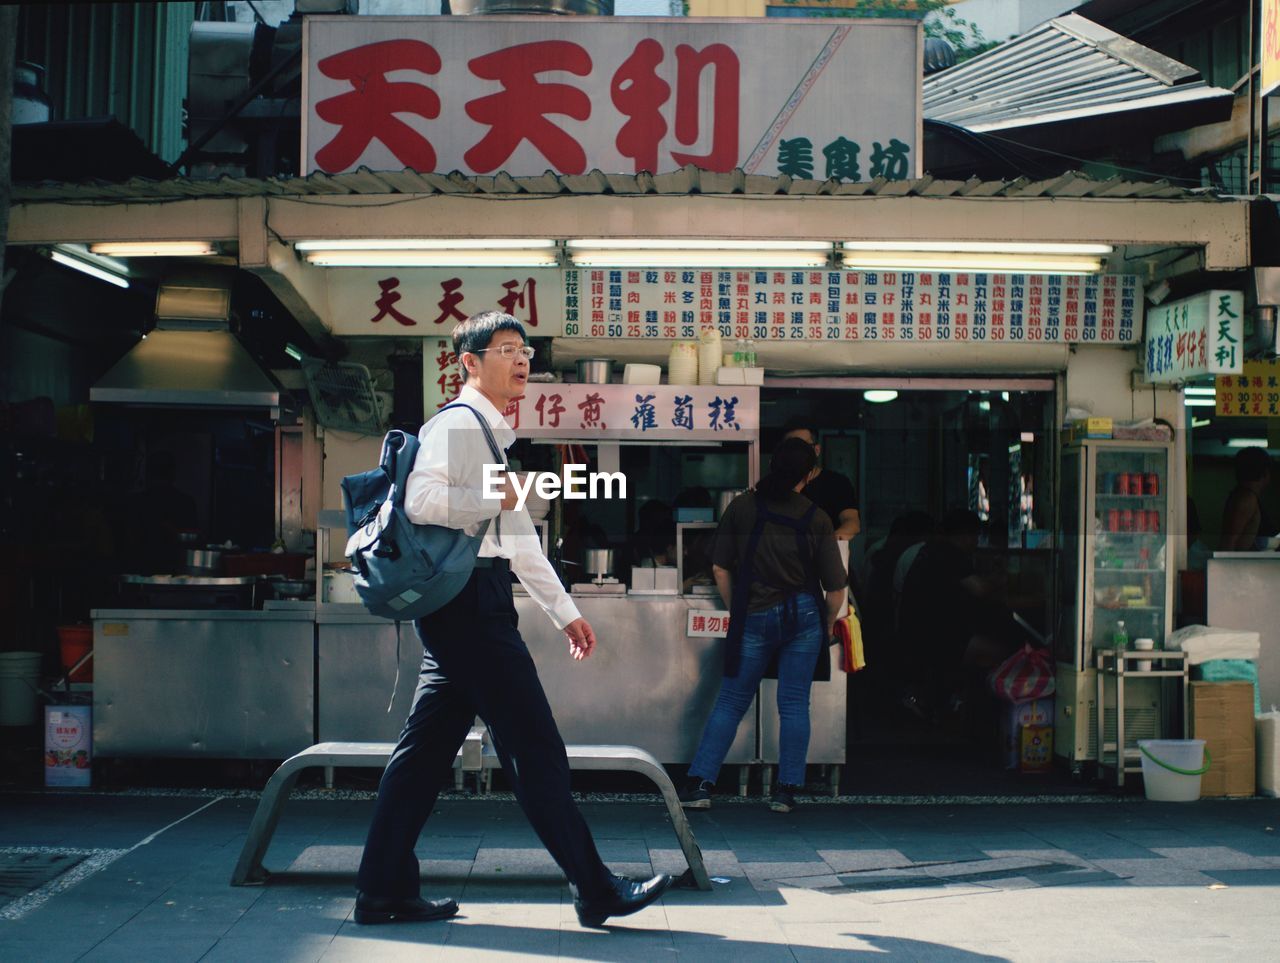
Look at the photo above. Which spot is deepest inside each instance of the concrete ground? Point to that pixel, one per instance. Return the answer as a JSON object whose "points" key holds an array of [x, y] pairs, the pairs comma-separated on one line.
{"points": [[1097, 878]]}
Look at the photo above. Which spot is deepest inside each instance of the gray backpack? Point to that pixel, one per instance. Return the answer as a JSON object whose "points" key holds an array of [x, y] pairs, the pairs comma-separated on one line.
{"points": [[403, 570]]}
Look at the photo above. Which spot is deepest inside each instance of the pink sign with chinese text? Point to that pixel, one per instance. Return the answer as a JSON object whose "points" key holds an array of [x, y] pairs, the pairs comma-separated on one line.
{"points": [[632, 412], [428, 302], [707, 623], [524, 95]]}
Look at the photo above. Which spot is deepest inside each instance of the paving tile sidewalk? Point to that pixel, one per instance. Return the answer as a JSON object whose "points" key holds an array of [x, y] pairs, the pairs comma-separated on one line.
{"points": [[1113, 880]]}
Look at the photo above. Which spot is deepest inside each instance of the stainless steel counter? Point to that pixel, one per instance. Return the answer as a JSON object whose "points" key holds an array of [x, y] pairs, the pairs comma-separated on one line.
{"points": [[647, 684], [245, 684], [191, 682]]}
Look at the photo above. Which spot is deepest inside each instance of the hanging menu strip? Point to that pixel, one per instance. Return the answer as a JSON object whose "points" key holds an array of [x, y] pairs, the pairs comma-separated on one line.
{"points": [[822, 305]]}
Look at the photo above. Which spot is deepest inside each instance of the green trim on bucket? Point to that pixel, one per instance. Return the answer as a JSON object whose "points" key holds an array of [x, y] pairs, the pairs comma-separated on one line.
{"points": [[1180, 772]]}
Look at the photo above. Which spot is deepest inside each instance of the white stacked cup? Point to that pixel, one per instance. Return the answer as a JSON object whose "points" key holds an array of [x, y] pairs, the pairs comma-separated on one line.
{"points": [[1143, 645]]}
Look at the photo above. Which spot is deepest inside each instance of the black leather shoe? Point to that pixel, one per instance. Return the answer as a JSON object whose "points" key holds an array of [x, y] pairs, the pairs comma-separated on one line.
{"points": [[387, 909], [630, 896]]}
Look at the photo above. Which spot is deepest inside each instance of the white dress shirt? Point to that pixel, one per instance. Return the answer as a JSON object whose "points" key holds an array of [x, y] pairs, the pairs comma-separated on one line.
{"points": [[446, 487]]}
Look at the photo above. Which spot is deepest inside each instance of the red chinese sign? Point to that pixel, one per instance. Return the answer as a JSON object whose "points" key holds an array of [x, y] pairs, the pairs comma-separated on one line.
{"points": [[524, 95]]}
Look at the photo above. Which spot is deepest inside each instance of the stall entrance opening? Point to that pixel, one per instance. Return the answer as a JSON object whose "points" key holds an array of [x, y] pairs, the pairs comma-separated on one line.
{"points": [[953, 566]]}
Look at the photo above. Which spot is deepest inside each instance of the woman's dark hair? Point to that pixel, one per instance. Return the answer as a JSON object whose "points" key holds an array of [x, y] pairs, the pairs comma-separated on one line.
{"points": [[791, 463], [1252, 464], [475, 333]]}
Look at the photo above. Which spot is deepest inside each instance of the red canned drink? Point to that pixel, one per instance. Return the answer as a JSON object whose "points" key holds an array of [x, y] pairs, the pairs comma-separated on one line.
{"points": [[1140, 520], [1152, 484], [1153, 521], [1126, 520], [1113, 520], [1122, 483]]}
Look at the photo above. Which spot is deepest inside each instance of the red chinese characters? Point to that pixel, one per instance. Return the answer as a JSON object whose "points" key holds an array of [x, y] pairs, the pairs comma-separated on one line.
{"points": [[518, 112], [386, 303], [703, 108], [368, 111]]}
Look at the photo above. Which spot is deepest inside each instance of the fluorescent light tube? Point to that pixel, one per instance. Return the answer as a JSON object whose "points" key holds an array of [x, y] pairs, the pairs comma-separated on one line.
{"points": [[700, 258], [403, 258], [1246, 443], [922, 261], [878, 396], [686, 244], [1201, 422], [90, 269], [983, 247], [153, 248], [1195, 390], [427, 244], [293, 352], [1200, 402]]}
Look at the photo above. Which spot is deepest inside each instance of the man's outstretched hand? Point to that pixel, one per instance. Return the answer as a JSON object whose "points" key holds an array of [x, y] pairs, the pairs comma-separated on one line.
{"points": [[581, 639]]}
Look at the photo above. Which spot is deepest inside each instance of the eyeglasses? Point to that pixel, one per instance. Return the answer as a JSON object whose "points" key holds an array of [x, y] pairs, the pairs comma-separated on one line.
{"points": [[509, 351]]}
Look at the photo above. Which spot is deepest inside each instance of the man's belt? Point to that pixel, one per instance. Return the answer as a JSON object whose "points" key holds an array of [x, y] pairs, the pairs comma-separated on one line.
{"points": [[493, 561]]}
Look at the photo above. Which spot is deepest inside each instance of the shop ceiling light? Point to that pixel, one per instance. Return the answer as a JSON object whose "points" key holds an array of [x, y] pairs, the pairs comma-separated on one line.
{"points": [[66, 260], [420, 258], [697, 253], [878, 396], [431, 252], [427, 244], [153, 248], [1196, 390], [1246, 443], [881, 260], [1194, 402], [981, 247]]}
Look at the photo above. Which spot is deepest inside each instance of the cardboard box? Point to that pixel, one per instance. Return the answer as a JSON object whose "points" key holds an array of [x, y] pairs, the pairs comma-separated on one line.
{"points": [[1036, 712], [1093, 428], [1222, 715]]}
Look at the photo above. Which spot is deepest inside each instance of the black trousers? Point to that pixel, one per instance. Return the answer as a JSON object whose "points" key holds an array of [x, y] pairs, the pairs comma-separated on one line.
{"points": [[475, 663]]}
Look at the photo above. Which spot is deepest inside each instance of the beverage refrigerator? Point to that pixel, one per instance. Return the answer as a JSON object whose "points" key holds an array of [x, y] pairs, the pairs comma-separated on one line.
{"points": [[1115, 566]]}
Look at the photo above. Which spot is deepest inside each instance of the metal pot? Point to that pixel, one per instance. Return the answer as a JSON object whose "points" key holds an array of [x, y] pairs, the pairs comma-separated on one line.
{"points": [[595, 371], [726, 497], [203, 561], [598, 561]]}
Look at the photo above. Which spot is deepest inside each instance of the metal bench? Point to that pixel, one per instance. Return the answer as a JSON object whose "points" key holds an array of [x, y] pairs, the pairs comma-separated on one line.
{"points": [[471, 757]]}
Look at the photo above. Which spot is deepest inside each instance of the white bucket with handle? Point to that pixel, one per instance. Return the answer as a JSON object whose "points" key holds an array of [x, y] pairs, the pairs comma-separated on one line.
{"points": [[1171, 768]]}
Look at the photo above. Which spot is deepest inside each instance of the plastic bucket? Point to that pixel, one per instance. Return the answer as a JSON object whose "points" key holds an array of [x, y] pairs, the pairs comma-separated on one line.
{"points": [[75, 642], [1171, 768], [19, 673]]}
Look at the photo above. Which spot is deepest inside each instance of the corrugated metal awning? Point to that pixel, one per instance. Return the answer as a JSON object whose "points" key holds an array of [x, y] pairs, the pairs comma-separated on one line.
{"points": [[690, 180], [1065, 69]]}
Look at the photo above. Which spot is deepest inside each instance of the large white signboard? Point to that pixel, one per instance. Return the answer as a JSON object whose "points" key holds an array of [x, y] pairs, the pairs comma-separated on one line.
{"points": [[657, 412], [524, 95], [1199, 335]]}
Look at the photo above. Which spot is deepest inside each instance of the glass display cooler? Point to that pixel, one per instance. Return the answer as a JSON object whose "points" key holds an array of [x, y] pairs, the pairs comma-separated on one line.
{"points": [[1115, 574]]}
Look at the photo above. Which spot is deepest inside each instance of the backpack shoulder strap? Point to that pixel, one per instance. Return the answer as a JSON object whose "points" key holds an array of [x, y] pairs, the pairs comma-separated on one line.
{"points": [[484, 425]]}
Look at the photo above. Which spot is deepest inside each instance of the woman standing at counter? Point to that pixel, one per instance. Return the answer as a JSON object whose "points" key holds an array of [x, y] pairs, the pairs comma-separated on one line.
{"points": [[775, 554]]}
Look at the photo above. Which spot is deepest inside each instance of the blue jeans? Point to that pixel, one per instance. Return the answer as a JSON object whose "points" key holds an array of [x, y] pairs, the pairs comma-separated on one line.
{"points": [[793, 629]]}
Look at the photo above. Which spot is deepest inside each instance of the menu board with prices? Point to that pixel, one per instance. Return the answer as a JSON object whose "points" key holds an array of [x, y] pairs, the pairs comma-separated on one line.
{"points": [[629, 304], [1254, 393]]}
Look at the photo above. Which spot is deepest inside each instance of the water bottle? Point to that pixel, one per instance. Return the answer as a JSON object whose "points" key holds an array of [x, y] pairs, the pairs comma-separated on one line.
{"points": [[740, 353], [751, 353], [1120, 637]]}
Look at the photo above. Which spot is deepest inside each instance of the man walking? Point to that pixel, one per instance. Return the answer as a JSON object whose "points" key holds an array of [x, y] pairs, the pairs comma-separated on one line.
{"points": [[475, 662]]}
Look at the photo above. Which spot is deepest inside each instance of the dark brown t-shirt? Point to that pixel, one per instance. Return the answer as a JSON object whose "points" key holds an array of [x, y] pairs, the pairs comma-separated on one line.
{"points": [[777, 561]]}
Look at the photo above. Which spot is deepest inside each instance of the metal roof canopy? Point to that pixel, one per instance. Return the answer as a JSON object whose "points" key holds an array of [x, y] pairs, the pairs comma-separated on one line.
{"points": [[1068, 68], [1163, 228]]}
